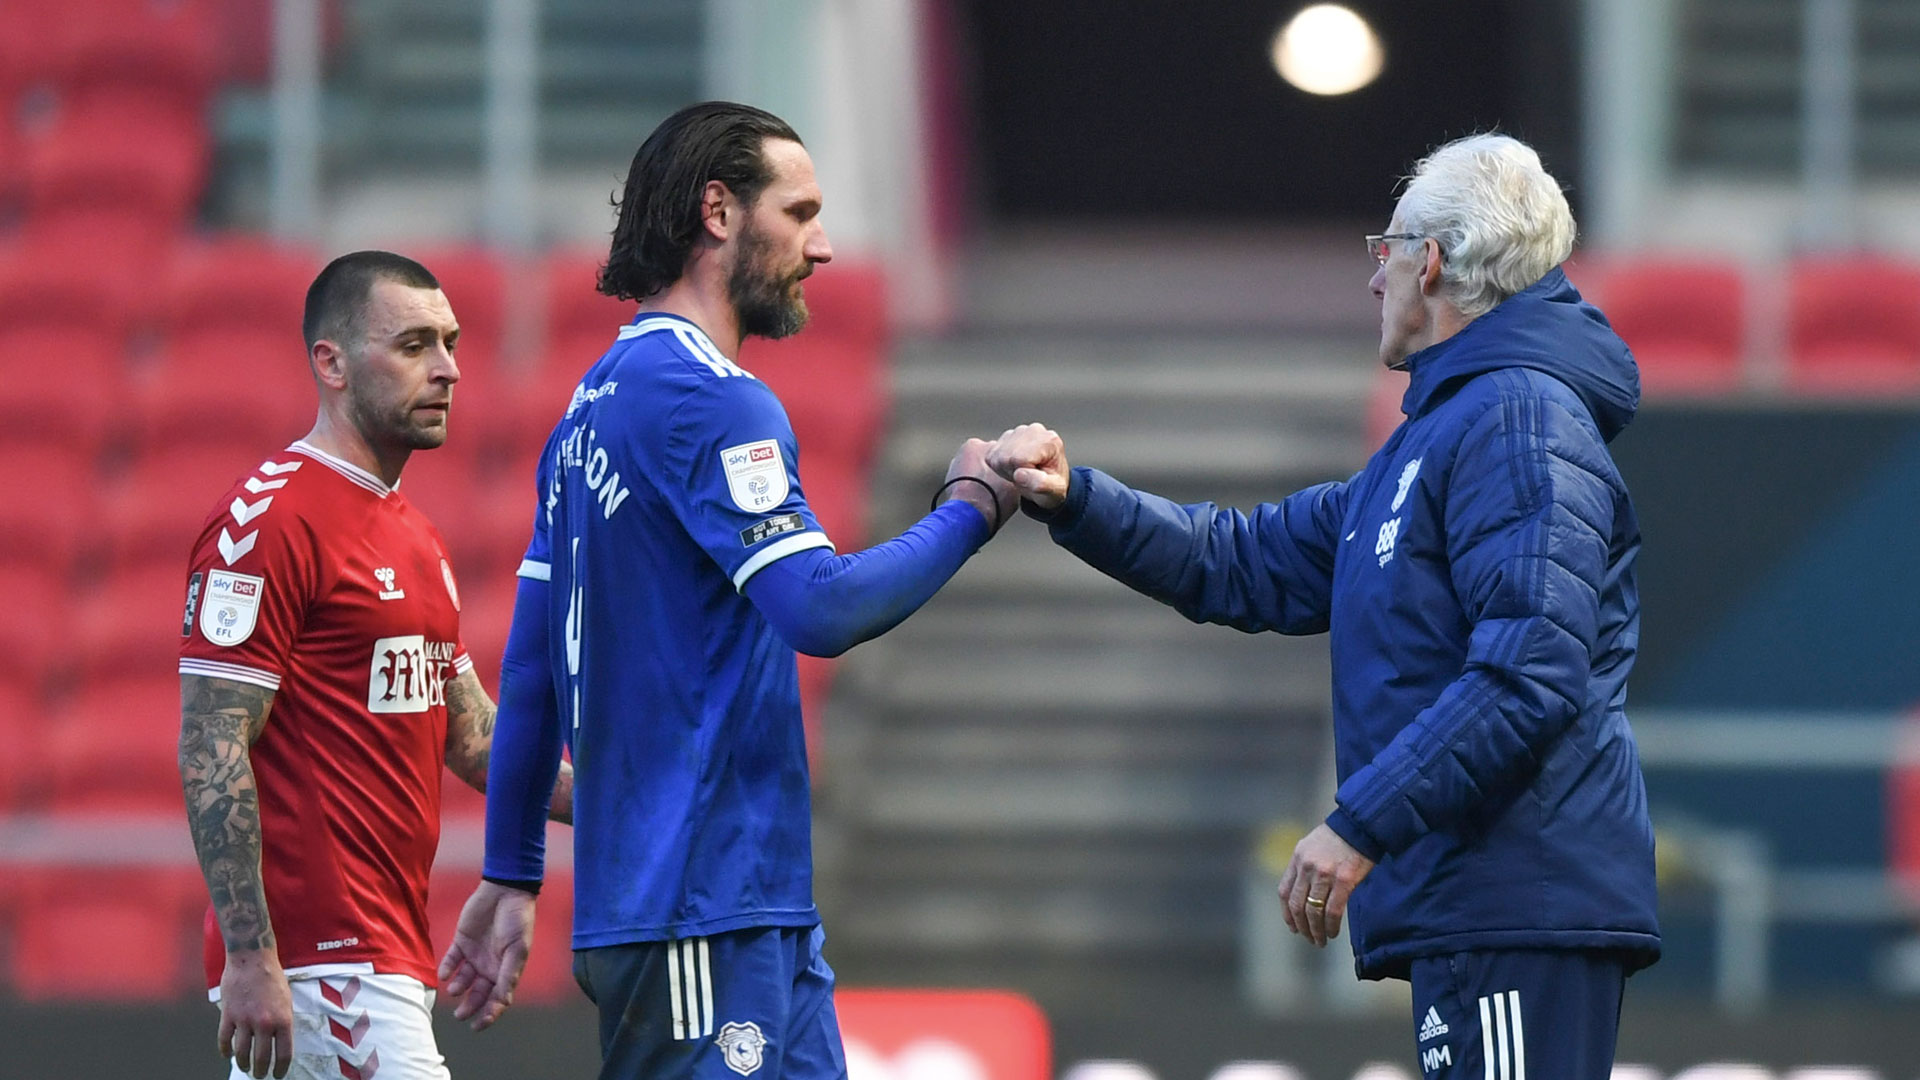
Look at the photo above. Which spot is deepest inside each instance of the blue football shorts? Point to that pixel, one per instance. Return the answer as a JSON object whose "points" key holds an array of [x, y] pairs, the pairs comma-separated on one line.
{"points": [[755, 1003], [1516, 1014]]}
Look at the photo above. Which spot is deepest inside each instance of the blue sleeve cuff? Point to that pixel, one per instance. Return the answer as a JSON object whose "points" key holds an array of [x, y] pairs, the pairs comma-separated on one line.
{"points": [[823, 604], [1347, 828], [1079, 486]]}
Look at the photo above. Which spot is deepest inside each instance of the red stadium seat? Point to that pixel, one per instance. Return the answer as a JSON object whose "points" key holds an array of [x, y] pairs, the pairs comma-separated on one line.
{"points": [[121, 152], [847, 302], [156, 49], [483, 545], [1684, 320], [49, 511], [125, 240], [60, 385], [28, 50], [114, 745], [60, 286], [13, 176], [154, 510], [108, 933], [36, 602], [836, 489], [128, 626], [574, 306], [486, 612], [1854, 326], [439, 484], [833, 389], [484, 402], [231, 385], [20, 724], [240, 281], [476, 286]]}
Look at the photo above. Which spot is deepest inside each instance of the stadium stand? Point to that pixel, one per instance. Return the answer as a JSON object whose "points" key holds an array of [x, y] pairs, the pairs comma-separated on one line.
{"points": [[1854, 326], [155, 506], [1685, 320], [476, 286], [48, 507], [73, 927], [113, 745], [147, 364], [19, 706], [36, 596]]}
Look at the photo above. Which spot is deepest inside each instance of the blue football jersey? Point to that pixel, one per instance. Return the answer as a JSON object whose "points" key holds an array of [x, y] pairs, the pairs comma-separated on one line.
{"points": [[671, 480]]}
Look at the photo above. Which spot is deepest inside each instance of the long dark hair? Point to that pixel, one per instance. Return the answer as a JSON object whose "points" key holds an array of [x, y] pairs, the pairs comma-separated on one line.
{"points": [[659, 212]]}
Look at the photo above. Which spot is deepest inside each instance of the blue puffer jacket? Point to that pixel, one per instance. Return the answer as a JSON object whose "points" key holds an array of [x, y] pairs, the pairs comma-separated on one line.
{"points": [[1477, 578]]}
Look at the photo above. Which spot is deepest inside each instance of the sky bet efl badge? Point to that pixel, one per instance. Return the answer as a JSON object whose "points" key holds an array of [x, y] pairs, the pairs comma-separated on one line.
{"points": [[756, 475], [231, 607]]}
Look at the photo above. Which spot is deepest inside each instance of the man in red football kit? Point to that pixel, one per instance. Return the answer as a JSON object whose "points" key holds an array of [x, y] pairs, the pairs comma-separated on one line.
{"points": [[322, 684]]}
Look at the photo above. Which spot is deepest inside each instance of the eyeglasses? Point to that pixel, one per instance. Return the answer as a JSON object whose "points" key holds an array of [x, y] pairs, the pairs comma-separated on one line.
{"points": [[1377, 244]]}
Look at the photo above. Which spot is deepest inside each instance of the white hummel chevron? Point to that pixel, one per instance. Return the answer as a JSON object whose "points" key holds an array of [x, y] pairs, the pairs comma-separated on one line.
{"points": [[275, 468], [231, 549], [257, 485], [1432, 1027], [243, 513]]}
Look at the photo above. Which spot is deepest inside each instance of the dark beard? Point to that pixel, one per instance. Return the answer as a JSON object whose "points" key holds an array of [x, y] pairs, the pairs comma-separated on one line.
{"points": [[394, 429], [763, 299]]}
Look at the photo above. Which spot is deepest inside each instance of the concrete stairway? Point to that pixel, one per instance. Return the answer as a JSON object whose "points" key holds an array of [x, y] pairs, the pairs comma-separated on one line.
{"points": [[1044, 780]]}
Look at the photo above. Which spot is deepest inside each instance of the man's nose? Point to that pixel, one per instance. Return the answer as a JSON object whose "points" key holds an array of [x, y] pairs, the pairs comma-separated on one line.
{"points": [[817, 248]]}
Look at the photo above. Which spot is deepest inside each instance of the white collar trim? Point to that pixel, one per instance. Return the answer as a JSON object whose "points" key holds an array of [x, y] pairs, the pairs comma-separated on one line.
{"points": [[345, 468]]}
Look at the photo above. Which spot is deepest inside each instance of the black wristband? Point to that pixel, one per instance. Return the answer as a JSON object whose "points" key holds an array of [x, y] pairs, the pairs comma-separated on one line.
{"points": [[991, 494], [524, 886]]}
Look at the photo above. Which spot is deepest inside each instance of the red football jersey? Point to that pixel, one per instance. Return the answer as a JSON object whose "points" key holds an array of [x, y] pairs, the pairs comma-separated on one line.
{"points": [[315, 580]]}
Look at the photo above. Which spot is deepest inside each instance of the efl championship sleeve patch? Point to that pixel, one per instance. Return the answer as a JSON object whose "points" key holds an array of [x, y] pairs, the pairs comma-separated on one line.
{"points": [[756, 475], [231, 607], [772, 527]]}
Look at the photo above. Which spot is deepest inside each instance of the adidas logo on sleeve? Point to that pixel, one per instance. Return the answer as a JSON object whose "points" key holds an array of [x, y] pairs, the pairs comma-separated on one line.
{"points": [[1432, 1027]]}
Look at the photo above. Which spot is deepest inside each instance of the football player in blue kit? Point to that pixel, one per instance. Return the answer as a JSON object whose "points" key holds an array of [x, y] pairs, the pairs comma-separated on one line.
{"points": [[674, 571]]}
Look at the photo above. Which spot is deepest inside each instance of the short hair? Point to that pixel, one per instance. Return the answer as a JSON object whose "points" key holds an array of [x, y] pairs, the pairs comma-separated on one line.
{"points": [[1501, 220], [338, 297], [659, 212]]}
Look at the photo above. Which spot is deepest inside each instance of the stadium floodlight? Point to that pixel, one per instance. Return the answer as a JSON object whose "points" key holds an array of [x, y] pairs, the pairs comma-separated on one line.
{"points": [[1328, 49]]}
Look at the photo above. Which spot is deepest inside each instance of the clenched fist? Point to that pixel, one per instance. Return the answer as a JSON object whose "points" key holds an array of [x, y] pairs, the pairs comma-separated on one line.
{"points": [[1035, 460]]}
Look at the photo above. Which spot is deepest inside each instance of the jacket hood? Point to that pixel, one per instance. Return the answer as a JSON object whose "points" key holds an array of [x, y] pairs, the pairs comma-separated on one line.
{"points": [[1546, 327]]}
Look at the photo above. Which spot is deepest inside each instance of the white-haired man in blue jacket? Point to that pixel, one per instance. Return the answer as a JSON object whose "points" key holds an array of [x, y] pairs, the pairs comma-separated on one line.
{"points": [[1490, 839]]}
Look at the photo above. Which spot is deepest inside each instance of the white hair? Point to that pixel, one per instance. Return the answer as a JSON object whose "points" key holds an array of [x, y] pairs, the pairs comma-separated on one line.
{"points": [[1501, 221]]}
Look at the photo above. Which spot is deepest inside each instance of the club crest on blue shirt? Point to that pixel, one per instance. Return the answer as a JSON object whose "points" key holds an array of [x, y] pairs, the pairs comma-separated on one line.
{"points": [[1406, 483], [742, 1044], [756, 475]]}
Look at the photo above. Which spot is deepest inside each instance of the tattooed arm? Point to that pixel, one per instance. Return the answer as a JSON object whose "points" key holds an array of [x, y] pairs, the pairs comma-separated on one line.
{"points": [[219, 721], [470, 714]]}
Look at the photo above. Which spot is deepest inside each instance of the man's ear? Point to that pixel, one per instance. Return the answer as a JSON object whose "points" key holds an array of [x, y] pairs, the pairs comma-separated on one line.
{"points": [[716, 210], [329, 363], [1430, 273]]}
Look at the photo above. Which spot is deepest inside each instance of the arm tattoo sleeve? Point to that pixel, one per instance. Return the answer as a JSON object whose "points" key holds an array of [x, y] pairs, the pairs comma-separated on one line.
{"points": [[219, 720], [470, 715]]}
